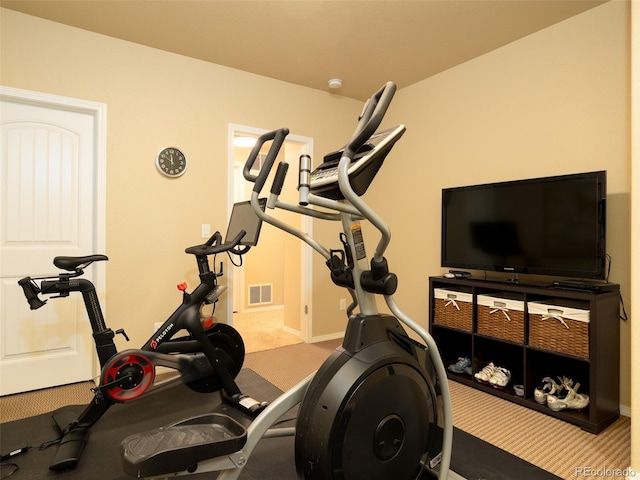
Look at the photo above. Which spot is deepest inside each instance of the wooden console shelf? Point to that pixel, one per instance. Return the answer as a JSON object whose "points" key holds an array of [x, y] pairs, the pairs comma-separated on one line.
{"points": [[578, 337]]}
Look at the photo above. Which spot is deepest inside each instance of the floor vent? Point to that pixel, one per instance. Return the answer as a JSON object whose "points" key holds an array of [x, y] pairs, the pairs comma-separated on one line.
{"points": [[260, 294]]}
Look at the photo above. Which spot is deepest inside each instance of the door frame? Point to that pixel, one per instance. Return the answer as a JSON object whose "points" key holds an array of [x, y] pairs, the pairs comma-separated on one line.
{"points": [[99, 113], [306, 262]]}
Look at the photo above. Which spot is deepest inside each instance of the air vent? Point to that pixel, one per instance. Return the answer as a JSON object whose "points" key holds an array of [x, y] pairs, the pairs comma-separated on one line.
{"points": [[260, 294]]}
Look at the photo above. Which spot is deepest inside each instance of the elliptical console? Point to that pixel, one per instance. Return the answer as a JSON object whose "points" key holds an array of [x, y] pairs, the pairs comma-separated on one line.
{"points": [[363, 168]]}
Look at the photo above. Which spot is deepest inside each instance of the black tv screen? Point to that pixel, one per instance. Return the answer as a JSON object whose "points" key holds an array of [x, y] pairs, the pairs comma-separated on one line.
{"points": [[544, 226]]}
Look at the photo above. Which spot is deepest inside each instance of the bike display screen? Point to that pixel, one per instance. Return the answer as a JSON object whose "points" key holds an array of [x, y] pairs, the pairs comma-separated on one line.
{"points": [[244, 218]]}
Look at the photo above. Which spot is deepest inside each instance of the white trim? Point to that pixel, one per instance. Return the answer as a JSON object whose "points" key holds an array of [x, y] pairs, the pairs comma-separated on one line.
{"points": [[625, 411], [99, 113], [324, 338], [293, 331]]}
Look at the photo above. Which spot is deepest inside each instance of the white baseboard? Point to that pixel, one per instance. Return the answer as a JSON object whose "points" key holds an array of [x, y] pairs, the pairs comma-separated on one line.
{"points": [[293, 331], [324, 338], [625, 411]]}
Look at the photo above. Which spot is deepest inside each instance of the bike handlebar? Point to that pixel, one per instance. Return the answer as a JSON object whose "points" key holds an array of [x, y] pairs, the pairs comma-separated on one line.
{"points": [[31, 291], [60, 284], [214, 245]]}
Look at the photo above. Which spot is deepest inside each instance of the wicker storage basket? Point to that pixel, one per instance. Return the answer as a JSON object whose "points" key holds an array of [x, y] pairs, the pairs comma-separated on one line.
{"points": [[453, 309], [501, 318], [558, 328]]}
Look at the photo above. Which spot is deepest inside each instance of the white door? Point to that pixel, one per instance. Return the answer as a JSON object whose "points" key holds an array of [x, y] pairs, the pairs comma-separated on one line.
{"points": [[51, 203]]}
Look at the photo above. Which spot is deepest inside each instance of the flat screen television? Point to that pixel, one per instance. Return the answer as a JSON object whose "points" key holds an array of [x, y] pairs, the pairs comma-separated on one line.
{"points": [[552, 226]]}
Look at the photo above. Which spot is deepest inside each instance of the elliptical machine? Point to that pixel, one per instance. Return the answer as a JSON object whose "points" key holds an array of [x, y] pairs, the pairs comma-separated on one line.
{"points": [[379, 407]]}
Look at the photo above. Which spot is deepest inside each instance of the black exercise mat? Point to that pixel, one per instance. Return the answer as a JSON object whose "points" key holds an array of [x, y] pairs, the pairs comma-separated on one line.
{"points": [[273, 459]]}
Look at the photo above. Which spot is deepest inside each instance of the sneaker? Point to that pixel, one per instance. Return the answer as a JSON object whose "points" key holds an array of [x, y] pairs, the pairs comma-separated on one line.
{"points": [[557, 399], [569, 398], [463, 365], [575, 400], [500, 377], [485, 374], [547, 387]]}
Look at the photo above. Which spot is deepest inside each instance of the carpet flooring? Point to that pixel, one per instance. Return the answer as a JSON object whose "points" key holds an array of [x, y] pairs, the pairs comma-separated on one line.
{"points": [[263, 330], [272, 460]]}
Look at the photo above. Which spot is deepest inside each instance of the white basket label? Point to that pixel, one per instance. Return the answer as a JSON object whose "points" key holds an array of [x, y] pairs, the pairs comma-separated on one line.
{"points": [[558, 311], [501, 303], [443, 294]]}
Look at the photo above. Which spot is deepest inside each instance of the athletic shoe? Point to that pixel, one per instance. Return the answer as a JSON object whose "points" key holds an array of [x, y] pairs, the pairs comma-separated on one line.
{"points": [[485, 374], [569, 398], [547, 387], [463, 365], [500, 378]]}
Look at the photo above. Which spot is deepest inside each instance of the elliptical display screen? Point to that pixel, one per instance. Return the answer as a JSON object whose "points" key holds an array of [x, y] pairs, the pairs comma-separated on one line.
{"points": [[364, 165]]}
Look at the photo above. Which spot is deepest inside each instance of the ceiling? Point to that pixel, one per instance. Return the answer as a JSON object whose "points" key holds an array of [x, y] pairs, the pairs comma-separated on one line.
{"points": [[307, 42]]}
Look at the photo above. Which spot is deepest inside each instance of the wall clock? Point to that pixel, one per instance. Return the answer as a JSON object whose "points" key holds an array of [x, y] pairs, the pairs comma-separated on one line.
{"points": [[171, 162]]}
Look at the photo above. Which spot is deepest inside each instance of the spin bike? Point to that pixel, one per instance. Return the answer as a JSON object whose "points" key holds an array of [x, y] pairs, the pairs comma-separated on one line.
{"points": [[207, 359], [379, 407]]}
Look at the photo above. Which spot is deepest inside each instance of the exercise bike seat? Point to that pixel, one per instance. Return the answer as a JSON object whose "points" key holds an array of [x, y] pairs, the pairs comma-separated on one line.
{"points": [[181, 446], [71, 264]]}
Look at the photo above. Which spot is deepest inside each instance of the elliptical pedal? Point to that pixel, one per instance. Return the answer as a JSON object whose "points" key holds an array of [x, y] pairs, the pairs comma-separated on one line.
{"points": [[181, 446]]}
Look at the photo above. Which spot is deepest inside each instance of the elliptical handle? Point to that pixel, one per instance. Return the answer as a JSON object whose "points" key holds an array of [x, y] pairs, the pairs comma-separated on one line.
{"points": [[278, 181], [278, 137], [370, 118]]}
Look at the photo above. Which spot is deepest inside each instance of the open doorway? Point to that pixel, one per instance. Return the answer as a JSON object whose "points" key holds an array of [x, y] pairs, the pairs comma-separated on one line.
{"points": [[269, 301]]}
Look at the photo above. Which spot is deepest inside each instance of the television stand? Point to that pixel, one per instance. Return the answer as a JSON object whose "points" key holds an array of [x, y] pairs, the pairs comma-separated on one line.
{"points": [[513, 278], [584, 286], [531, 341]]}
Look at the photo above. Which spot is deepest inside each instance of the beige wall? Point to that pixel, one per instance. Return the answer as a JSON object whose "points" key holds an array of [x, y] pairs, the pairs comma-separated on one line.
{"points": [[554, 102], [154, 99]]}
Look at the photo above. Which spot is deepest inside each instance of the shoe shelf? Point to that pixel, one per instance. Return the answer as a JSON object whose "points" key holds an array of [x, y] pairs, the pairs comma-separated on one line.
{"points": [[534, 331]]}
